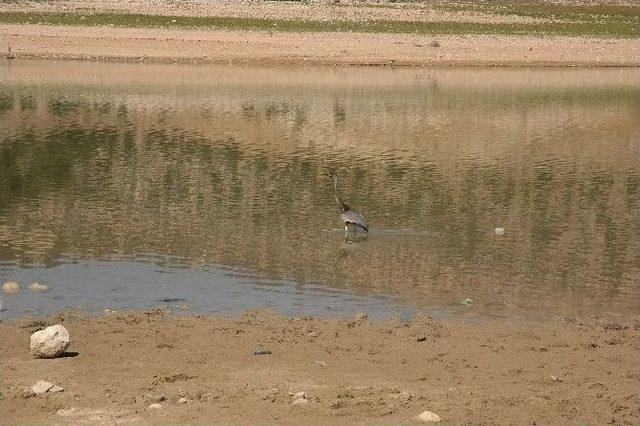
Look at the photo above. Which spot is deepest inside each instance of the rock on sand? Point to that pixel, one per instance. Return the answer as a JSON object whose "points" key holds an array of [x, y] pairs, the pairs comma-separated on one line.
{"points": [[428, 417], [41, 387], [50, 342]]}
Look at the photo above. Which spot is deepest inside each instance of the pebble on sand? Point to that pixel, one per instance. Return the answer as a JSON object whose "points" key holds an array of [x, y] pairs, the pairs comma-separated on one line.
{"points": [[156, 398], [37, 287], [11, 287], [499, 230], [154, 406], [428, 417], [41, 387], [50, 342], [362, 316], [300, 401], [183, 400]]}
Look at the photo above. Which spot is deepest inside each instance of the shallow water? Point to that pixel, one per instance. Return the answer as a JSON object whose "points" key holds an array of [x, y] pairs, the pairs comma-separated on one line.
{"points": [[125, 185]]}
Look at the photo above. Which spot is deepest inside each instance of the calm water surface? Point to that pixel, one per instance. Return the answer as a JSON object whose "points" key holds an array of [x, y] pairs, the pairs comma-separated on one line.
{"points": [[132, 186]]}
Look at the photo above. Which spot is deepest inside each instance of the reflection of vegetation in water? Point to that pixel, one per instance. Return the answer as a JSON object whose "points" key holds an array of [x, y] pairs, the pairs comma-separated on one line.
{"points": [[112, 178], [6, 102]]}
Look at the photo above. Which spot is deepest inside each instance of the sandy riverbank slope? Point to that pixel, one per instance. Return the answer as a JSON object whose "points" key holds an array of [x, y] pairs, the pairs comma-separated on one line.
{"points": [[563, 371], [274, 45]]}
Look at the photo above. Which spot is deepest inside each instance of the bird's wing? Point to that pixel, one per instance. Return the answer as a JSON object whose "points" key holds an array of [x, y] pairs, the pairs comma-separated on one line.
{"points": [[354, 217]]}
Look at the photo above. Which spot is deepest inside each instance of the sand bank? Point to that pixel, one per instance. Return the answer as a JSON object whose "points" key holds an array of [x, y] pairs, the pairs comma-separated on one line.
{"points": [[360, 33], [561, 371]]}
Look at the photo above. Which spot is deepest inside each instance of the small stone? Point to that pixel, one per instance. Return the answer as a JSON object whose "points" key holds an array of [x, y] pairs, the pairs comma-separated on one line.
{"points": [[41, 387], [320, 364], [428, 417], [300, 401], [467, 302], [11, 287], [299, 395], [421, 339], [270, 394], [556, 379], [313, 334], [37, 287], [50, 342], [55, 389], [183, 400], [156, 398], [499, 230], [154, 406], [362, 316], [261, 351]]}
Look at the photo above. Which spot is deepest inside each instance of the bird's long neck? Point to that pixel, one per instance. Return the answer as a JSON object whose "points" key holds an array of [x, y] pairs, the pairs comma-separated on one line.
{"points": [[335, 192]]}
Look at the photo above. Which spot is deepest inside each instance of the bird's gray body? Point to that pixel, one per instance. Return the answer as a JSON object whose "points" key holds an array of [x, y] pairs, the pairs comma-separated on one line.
{"points": [[352, 217]]}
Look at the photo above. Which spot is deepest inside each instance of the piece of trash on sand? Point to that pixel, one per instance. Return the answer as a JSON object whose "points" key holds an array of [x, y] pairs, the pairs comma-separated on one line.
{"points": [[467, 302]]}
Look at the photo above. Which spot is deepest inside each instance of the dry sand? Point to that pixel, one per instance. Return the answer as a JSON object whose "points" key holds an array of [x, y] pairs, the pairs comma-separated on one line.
{"points": [[275, 47], [562, 371], [259, 47]]}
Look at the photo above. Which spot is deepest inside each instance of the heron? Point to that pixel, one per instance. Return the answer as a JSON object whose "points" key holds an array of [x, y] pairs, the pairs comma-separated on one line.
{"points": [[352, 219]]}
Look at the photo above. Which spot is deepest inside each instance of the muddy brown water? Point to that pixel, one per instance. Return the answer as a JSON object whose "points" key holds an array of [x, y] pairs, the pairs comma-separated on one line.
{"points": [[201, 187]]}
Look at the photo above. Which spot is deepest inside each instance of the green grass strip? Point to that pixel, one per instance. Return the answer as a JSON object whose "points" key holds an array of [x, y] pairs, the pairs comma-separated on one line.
{"points": [[597, 28]]}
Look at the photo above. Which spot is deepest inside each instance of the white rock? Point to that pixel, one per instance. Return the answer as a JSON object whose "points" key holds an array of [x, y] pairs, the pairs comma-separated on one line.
{"points": [[10, 287], [499, 230], [38, 287], [154, 406], [183, 400], [55, 389], [428, 417], [50, 342], [41, 387], [362, 316], [300, 401], [299, 395]]}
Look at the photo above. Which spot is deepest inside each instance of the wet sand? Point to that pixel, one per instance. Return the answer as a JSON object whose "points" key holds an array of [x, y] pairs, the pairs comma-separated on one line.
{"points": [[557, 372]]}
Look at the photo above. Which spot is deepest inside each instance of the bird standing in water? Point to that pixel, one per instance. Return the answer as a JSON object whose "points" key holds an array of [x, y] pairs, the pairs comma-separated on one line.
{"points": [[352, 219]]}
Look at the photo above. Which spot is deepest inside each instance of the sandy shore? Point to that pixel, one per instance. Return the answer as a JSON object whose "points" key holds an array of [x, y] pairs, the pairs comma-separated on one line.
{"points": [[258, 47], [273, 45], [562, 371]]}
